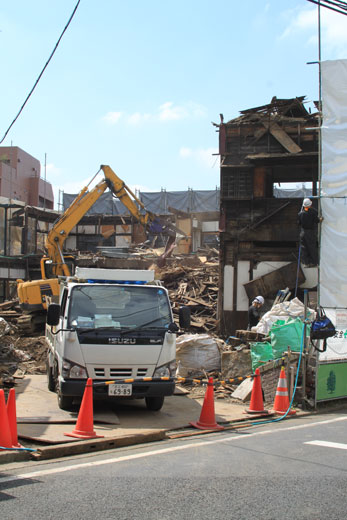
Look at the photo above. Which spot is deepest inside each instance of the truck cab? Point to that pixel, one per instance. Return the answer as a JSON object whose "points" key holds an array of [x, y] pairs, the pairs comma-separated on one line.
{"points": [[113, 326]]}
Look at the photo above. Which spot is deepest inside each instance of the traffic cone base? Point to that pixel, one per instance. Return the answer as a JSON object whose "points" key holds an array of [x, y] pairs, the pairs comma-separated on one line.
{"points": [[80, 434], [281, 404], [291, 412], [255, 412], [201, 426], [256, 406], [5, 432], [12, 418], [207, 420], [84, 427]]}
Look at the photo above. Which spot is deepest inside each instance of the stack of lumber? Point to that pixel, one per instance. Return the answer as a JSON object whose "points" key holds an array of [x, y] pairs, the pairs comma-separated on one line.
{"points": [[10, 310], [196, 287]]}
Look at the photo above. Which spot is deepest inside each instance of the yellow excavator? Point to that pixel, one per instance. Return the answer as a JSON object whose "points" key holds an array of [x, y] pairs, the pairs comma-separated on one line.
{"points": [[34, 295]]}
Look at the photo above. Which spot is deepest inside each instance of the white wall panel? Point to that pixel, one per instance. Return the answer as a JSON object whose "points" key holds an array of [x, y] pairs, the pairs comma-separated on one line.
{"points": [[243, 277], [228, 288]]}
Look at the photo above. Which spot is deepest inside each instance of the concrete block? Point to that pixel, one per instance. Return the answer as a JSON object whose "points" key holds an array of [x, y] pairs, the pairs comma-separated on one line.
{"points": [[236, 364], [244, 390]]}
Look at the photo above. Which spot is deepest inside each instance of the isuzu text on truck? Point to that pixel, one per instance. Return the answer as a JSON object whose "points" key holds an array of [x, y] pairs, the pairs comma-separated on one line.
{"points": [[112, 325]]}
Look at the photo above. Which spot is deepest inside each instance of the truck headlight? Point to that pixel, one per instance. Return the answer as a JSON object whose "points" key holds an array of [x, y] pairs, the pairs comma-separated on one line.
{"points": [[73, 371], [167, 370]]}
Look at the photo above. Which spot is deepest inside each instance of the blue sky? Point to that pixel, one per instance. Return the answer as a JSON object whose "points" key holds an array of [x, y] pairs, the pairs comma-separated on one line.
{"points": [[137, 84]]}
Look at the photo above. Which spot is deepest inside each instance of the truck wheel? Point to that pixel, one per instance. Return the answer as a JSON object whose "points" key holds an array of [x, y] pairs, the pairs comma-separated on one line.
{"points": [[154, 403], [65, 402]]}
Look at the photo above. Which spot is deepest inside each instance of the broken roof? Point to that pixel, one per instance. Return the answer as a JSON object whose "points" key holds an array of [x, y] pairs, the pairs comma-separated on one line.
{"points": [[293, 108]]}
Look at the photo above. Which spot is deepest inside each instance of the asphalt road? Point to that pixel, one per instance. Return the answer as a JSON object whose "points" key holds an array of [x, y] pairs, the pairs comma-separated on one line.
{"points": [[293, 469]]}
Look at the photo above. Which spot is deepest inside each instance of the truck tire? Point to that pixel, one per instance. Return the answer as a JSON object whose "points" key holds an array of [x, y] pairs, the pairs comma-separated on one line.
{"points": [[154, 403], [65, 402]]}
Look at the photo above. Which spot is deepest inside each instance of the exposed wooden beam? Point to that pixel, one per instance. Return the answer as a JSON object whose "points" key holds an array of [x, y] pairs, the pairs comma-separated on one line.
{"points": [[282, 137]]}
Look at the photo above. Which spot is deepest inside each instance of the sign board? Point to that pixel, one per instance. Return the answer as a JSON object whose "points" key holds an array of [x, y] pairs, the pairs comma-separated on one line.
{"points": [[331, 381], [337, 345]]}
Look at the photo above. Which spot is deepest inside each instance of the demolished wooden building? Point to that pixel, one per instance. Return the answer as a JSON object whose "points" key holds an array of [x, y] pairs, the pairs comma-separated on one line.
{"points": [[262, 149], [106, 236]]}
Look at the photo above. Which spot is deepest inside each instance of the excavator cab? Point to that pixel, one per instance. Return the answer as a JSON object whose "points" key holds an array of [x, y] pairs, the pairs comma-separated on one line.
{"points": [[49, 269]]}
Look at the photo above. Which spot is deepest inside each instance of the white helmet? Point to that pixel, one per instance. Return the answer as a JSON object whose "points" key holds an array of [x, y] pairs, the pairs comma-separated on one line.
{"points": [[259, 299], [307, 203]]}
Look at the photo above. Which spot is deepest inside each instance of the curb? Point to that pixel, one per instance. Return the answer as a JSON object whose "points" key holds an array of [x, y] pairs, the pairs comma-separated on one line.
{"points": [[77, 448], [6, 457], [102, 444]]}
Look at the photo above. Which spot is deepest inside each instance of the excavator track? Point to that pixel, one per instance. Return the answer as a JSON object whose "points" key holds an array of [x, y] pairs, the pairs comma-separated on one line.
{"points": [[31, 323]]}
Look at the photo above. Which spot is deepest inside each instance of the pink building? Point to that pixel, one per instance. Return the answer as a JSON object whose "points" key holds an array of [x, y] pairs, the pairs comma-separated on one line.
{"points": [[20, 178]]}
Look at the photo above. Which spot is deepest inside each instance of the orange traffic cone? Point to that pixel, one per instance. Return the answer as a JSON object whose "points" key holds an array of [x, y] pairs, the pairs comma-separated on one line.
{"points": [[207, 420], [281, 404], [84, 427], [5, 432], [12, 418], [256, 405]]}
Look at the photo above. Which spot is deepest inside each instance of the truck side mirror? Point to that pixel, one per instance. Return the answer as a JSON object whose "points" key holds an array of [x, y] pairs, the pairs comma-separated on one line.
{"points": [[173, 327], [53, 314], [184, 317]]}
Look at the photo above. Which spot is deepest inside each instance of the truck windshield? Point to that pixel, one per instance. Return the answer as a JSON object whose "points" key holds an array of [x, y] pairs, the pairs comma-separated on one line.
{"points": [[120, 307]]}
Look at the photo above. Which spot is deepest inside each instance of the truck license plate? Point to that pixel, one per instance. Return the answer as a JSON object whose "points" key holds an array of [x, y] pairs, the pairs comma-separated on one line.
{"points": [[118, 389]]}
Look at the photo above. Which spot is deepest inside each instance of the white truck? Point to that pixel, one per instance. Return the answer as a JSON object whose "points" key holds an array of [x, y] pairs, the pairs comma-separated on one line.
{"points": [[112, 325]]}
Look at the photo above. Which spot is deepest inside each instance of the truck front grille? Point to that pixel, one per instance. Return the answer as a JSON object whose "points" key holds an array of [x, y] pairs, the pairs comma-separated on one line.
{"points": [[119, 373]]}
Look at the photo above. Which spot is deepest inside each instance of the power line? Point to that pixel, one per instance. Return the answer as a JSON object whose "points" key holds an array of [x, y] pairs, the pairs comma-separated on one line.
{"points": [[41, 73], [334, 5]]}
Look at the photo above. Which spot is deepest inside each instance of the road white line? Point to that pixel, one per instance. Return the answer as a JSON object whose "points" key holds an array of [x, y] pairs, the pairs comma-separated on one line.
{"points": [[160, 451], [327, 444]]}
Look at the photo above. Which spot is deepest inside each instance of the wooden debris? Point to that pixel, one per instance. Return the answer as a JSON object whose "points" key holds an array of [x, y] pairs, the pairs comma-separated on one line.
{"points": [[249, 335], [196, 287]]}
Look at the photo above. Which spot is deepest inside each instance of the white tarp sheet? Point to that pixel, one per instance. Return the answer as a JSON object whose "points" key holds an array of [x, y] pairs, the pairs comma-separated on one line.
{"points": [[289, 309], [333, 253], [196, 354]]}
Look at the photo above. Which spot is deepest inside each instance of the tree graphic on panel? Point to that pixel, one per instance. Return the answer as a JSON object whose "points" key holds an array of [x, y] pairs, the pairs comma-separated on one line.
{"points": [[331, 382]]}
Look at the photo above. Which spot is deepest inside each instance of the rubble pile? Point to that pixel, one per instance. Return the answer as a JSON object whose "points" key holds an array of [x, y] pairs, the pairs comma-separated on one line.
{"points": [[196, 287], [19, 355]]}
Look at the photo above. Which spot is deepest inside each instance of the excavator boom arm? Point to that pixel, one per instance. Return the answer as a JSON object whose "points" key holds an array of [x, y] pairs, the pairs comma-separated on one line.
{"points": [[83, 202], [70, 218], [124, 194]]}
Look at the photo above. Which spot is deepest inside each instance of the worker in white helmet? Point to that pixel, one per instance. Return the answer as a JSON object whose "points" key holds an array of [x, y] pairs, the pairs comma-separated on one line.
{"points": [[308, 219], [253, 312]]}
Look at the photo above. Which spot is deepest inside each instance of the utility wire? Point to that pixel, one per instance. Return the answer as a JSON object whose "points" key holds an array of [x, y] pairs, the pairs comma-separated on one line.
{"points": [[41, 73], [337, 6]]}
